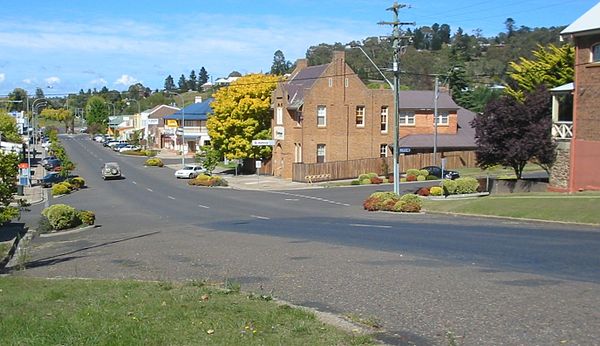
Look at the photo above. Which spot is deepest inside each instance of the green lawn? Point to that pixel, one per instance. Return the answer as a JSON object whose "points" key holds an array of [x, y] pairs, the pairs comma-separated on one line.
{"points": [[102, 312], [497, 171], [581, 207]]}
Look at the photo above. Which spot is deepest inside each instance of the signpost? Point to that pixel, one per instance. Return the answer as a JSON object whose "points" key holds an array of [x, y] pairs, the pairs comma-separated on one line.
{"points": [[403, 150], [261, 142]]}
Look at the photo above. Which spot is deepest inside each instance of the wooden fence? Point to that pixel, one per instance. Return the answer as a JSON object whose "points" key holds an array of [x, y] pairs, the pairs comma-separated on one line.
{"points": [[383, 166]]}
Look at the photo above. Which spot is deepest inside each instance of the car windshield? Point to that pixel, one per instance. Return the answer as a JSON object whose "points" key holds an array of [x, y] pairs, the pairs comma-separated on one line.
{"points": [[188, 168]]}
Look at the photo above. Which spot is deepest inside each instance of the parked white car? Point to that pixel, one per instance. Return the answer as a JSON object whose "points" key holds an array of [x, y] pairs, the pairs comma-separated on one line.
{"points": [[129, 147], [189, 171]]}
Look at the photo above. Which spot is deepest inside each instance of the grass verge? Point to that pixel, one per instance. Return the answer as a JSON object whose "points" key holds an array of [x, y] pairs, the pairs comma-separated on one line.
{"points": [[91, 312], [582, 208]]}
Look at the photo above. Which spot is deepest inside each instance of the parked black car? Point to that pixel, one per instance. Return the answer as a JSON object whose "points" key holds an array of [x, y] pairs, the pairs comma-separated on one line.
{"points": [[52, 164], [437, 171], [51, 178]]}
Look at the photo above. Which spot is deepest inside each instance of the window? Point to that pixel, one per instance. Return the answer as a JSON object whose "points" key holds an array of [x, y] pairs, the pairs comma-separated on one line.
{"points": [[298, 118], [442, 118], [346, 82], [330, 82], [407, 118], [383, 150], [384, 119], [297, 152], [279, 116], [321, 116], [360, 116], [596, 53], [320, 153]]}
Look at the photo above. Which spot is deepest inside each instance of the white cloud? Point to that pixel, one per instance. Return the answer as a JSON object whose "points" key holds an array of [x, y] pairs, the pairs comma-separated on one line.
{"points": [[28, 81], [126, 80], [52, 80], [2, 77], [99, 81]]}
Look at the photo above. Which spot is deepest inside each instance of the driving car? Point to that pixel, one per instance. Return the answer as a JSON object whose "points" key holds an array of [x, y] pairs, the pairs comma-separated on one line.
{"points": [[51, 178], [111, 170], [437, 171], [189, 171]]}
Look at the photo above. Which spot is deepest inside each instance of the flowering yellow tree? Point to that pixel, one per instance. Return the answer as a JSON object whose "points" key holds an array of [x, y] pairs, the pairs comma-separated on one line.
{"points": [[241, 113], [63, 115]]}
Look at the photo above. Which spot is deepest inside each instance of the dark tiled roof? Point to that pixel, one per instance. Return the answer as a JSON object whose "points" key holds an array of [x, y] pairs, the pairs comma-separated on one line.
{"points": [[302, 82], [423, 99], [195, 111], [464, 138]]}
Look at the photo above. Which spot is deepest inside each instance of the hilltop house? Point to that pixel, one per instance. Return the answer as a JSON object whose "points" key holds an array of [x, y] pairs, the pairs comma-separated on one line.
{"points": [[325, 113], [578, 158]]}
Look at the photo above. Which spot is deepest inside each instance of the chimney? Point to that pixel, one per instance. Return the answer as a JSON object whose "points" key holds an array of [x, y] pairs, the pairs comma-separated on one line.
{"points": [[301, 64], [339, 55], [198, 99]]}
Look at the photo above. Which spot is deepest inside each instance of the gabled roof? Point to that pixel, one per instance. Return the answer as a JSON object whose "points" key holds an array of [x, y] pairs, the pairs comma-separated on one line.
{"points": [[463, 139], [423, 99], [302, 82], [589, 21], [195, 111]]}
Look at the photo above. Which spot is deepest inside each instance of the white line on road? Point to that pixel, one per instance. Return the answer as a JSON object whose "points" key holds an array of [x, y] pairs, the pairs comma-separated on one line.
{"points": [[260, 217], [134, 183], [309, 197], [292, 199], [203, 206], [149, 189], [171, 197], [369, 226]]}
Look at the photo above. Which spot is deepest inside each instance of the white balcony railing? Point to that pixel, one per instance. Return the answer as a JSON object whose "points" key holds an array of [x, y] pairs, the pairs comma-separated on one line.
{"points": [[562, 130]]}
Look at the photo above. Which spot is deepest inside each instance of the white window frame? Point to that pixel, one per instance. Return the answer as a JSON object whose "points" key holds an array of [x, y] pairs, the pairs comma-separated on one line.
{"points": [[361, 116], [279, 116], [321, 151], [407, 118], [595, 53], [383, 150], [346, 82], [330, 82], [322, 114], [384, 118], [443, 118], [297, 152]]}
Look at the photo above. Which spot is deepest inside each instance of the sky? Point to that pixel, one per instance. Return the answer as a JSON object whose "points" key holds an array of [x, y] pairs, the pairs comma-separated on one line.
{"points": [[63, 46]]}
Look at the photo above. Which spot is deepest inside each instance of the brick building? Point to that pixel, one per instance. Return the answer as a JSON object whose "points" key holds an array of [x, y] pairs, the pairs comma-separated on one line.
{"points": [[325, 113], [585, 144]]}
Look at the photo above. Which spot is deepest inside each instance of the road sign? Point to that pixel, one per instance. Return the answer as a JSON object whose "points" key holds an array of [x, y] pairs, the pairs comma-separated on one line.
{"points": [[23, 165], [404, 150], [261, 142]]}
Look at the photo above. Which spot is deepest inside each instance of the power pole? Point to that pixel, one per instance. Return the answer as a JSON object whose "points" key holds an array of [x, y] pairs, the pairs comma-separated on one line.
{"points": [[436, 96], [399, 49]]}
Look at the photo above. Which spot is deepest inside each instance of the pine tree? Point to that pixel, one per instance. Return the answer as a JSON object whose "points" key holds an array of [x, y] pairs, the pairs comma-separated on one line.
{"points": [[192, 83], [182, 83], [169, 83], [202, 76]]}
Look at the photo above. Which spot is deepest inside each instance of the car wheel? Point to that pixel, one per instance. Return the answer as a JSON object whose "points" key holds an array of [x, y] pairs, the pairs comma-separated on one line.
{"points": [[191, 175]]}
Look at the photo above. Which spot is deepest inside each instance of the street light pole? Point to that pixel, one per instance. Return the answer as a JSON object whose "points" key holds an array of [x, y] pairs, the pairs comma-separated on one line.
{"points": [[436, 96]]}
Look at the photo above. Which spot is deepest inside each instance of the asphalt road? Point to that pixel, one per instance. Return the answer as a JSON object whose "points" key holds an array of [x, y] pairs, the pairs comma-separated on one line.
{"points": [[487, 281]]}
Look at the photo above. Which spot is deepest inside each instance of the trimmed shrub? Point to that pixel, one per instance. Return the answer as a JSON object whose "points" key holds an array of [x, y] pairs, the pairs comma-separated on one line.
{"points": [[424, 191], [206, 180], [61, 216], [424, 172], [365, 181], [410, 207], [411, 177], [44, 225], [449, 186], [412, 171], [384, 195], [376, 180], [86, 216], [77, 182], [431, 177], [398, 206], [385, 181], [421, 178], [402, 180], [436, 191], [372, 175], [371, 204], [60, 189], [388, 204], [412, 198], [380, 201], [363, 176], [154, 161], [68, 185], [355, 182], [466, 185]]}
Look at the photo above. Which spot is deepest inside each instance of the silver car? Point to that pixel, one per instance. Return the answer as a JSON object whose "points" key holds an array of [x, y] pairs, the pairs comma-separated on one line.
{"points": [[111, 170]]}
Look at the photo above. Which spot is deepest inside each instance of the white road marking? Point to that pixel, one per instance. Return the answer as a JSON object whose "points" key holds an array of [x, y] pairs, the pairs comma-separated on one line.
{"points": [[203, 206], [134, 183], [171, 197], [260, 217], [149, 189], [368, 226], [309, 197], [292, 199]]}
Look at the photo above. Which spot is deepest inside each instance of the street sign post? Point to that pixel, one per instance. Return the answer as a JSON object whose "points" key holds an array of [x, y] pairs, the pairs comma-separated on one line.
{"points": [[262, 142], [403, 150]]}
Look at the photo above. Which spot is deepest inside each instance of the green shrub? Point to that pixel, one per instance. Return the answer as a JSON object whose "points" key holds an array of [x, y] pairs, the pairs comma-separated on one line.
{"points": [[363, 176], [421, 178], [207, 180], [365, 181], [466, 185], [402, 180], [424, 172], [60, 189], [355, 182], [154, 161], [449, 186], [436, 191], [67, 185], [389, 204], [411, 198], [385, 181], [77, 182], [381, 200], [398, 206], [431, 177], [150, 153], [86, 216], [134, 153], [61, 216], [411, 207], [372, 175], [44, 225], [384, 195], [412, 171]]}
